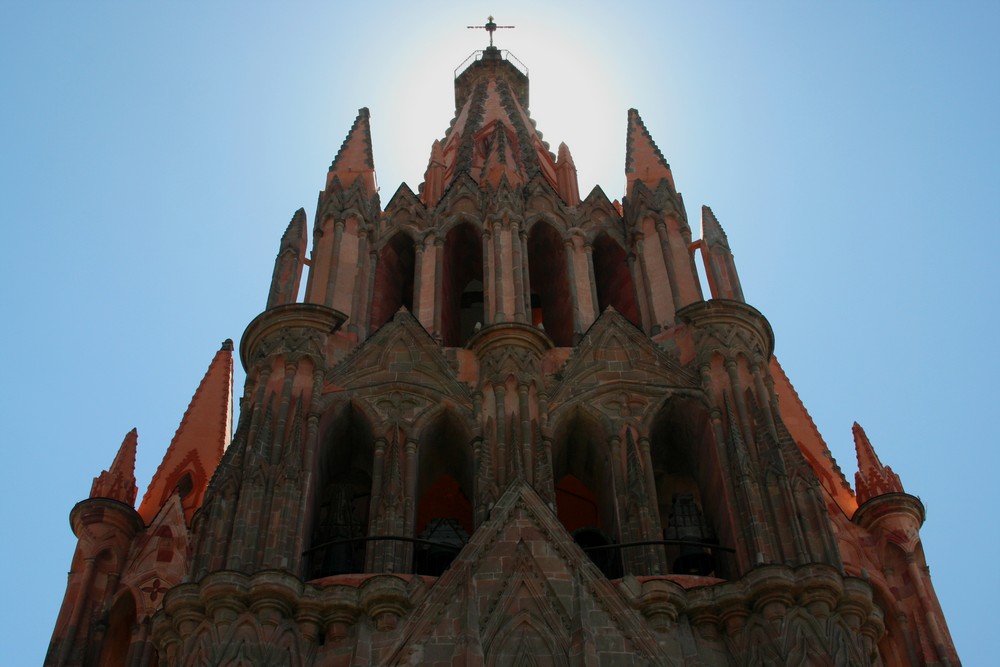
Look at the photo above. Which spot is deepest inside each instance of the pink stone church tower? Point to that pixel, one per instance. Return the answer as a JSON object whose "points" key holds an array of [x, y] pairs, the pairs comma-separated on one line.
{"points": [[506, 425]]}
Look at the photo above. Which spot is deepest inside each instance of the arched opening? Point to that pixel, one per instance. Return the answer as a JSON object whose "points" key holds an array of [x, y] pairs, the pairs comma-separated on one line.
{"points": [[549, 284], [118, 636], [690, 490], [341, 497], [584, 492], [462, 303], [615, 287], [394, 277], [444, 488]]}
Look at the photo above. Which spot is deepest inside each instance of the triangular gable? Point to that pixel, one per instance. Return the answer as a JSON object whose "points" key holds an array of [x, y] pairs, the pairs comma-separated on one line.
{"points": [[613, 353], [500, 574], [159, 558], [462, 187], [400, 352], [200, 440]]}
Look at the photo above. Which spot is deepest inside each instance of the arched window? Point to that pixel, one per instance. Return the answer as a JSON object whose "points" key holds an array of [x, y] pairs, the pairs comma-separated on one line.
{"points": [[444, 490], [462, 285], [690, 490], [615, 287], [341, 497], [549, 284], [118, 636], [584, 491], [393, 279]]}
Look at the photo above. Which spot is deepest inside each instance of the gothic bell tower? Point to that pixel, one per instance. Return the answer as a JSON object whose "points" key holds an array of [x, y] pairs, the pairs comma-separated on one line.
{"points": [[508, 425]]}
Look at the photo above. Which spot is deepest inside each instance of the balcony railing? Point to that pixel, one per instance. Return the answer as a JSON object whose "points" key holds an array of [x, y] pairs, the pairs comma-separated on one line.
{"points": [[432, 558]]}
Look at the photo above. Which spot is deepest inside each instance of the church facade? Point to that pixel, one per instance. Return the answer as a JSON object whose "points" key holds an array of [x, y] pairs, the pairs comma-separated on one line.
{"points": [[507, 424]]}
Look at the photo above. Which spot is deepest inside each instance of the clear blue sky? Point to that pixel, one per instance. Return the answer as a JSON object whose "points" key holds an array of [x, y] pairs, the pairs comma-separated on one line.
{"points": [[152, 154]]}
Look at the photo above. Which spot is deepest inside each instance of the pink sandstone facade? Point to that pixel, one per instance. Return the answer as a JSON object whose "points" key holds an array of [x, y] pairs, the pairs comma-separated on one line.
{"points": [[505, 426]]}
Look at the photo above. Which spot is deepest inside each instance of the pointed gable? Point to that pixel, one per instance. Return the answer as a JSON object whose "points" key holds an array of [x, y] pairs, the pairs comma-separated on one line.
{"points": [[614, 353], [644, 163], [522, 581], [402, 353], [159, 557], [118, 481], [199, 442], [354, 160]]}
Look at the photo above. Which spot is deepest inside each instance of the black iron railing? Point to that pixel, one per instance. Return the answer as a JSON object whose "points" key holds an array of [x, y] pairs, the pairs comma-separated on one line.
{"points": [[432, 557]]}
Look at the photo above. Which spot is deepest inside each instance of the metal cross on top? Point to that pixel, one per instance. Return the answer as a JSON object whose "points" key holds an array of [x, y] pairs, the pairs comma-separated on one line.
{"points": [[490, 27]]}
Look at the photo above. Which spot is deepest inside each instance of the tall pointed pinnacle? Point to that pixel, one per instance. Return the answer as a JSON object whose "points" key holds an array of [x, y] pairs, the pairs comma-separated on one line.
{"points": [[643, 159], [711, 230], [118, 481], [433, 186], [872, 479], [569, 185], [354, 159], [197, 447], [288, 264], [723, 280]]}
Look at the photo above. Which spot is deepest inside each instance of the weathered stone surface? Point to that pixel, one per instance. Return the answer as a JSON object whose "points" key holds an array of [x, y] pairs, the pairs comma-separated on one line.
{"points": [[504, 427]]}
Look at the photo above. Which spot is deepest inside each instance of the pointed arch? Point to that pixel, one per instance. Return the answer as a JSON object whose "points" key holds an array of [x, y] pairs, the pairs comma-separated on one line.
{"points": [[462, 292], [690, 487], [394, 278], [341, 495], [585, 487], [444, 490], [551, 300], [526, 639], [118, 637], [613, 278]]}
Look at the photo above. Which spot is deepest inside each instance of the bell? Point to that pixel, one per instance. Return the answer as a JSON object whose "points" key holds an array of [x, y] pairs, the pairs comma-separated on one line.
{"points": [[686, 524]]}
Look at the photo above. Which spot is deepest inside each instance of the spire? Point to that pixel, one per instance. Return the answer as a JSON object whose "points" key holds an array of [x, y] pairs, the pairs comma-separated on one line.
{"points": [[288, 264], [490, 92], [433, 187], [569, 187], [118, 481], [200, 440], [500, 161], [354, 159], [872, 479], [643, 160], [723, 281]]}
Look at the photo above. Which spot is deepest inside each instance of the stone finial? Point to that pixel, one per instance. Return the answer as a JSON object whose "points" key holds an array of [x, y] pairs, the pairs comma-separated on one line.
{"points": [[433, 187], [288, 264], [199, 443], [873, 478], [354, 160], [711, 231], [118, 481], [569, 186], [643, 159]]}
